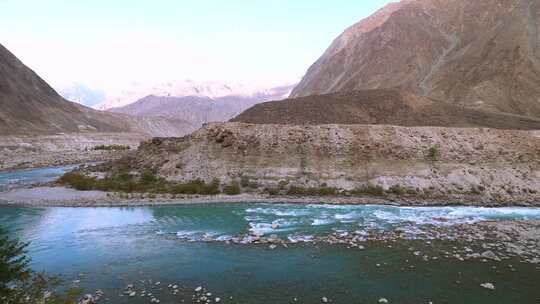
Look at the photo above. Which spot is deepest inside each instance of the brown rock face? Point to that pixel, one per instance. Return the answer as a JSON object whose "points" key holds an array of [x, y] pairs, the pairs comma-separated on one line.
{"points": [[379, 107], [479, 54], [503, 163]]}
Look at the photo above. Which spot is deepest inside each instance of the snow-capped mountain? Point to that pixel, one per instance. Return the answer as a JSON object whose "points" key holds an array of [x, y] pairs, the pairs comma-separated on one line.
{"points": [[80, 93], [189, 88], [198, 108]]}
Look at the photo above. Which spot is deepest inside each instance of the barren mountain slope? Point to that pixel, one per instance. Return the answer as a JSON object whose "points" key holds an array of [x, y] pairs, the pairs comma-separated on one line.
{"points": [[379, 107], [28, 105], [482, 54]]}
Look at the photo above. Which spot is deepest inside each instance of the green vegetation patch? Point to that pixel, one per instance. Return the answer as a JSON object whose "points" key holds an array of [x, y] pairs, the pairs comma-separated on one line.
{"points": [[232, 189], [312, 191], [196, 187], [111, 148], [143, 182], [20, 285], [433, 153], [369, 191]]}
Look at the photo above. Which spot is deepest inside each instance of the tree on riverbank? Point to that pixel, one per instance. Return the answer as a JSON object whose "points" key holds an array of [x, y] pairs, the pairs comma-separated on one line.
{"points": [[19, 284]]}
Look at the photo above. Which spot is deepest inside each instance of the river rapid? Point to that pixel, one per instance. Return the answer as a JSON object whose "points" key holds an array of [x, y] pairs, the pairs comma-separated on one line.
{"points": [[231, 251]]}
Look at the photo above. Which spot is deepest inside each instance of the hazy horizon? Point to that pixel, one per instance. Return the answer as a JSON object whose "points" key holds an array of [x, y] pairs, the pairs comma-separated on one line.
{"points": [[108, 46]]}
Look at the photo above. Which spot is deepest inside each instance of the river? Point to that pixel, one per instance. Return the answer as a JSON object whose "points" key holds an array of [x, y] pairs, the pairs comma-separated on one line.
{"points": [[194, 245]]}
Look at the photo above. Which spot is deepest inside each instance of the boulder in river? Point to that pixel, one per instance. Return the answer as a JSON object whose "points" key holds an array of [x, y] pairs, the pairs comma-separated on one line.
{"points": [[488, 286], [87, 299]]}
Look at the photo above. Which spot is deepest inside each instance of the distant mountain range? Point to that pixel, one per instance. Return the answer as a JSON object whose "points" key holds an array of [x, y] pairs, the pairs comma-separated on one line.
{"points": [[192, 88], [476, 54], [454, 63], [28, 105], [82, 94], [199, 108]]}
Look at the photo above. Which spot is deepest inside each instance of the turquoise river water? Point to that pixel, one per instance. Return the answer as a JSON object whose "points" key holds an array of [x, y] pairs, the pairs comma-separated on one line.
{"points": [[108, 248]]}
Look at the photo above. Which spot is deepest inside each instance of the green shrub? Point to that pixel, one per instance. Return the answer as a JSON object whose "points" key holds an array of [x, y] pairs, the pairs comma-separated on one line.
{"points": [[369, 190], [111, 148], [412, 191], [19, 284], [232, 189], [78, 181], [244, 181], [125, 182], [326, 191], [123, 176], [282, 184], [295, 190], [313, 191], [148, 177], [212, 188], [433, 153], [397, 190], [192, 187], [271, 191]]}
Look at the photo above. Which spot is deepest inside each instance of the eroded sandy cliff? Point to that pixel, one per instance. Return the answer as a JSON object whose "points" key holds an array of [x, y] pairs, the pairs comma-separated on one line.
{"points": [[497, 165]]}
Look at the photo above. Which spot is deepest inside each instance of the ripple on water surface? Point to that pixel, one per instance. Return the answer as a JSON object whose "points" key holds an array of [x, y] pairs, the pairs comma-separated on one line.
{"points": [[196, 222], [118, 246]]}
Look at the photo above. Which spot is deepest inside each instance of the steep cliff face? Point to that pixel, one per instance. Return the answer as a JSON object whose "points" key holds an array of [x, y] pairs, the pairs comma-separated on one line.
{"points": [[481, 54], [498, 164]]}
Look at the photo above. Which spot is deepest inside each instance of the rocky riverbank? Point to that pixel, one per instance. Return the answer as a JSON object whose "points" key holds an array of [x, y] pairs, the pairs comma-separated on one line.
{"points": [[25, 151], [487, 240], [505, 246], [67, 197]]}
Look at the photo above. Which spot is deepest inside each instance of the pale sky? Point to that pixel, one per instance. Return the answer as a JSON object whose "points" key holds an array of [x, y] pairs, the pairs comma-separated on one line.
{"points": [[108, 44]]}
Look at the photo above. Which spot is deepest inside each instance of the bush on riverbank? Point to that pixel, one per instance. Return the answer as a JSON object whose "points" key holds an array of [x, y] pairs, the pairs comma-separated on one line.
{"points": [[148, 182], [145, 182], [111, 148], [313, 191], [369, 191], [196, 187], [232, 189], [78, 181]]}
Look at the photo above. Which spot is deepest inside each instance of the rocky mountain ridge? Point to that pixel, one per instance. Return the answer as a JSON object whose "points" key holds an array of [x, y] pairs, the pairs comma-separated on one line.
{"points": [[190, 88], [200, 109], [383, 106], [476, 54]]}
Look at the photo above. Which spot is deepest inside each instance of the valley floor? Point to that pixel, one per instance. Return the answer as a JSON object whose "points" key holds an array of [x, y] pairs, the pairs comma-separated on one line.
{"points": [[26, 151]]}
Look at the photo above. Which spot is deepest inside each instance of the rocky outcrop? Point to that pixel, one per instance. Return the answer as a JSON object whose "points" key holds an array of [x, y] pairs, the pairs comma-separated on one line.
{"points": [[495, 165], [477, 54]]}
